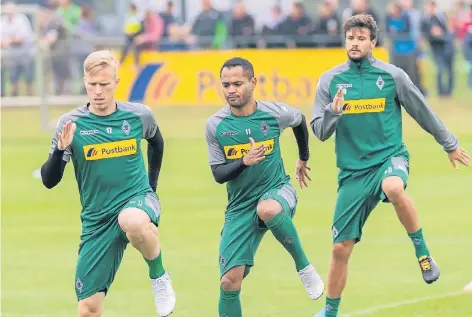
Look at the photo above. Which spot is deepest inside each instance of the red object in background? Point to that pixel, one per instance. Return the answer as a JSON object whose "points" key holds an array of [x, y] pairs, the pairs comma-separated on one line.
{"points": [[461, 23]]}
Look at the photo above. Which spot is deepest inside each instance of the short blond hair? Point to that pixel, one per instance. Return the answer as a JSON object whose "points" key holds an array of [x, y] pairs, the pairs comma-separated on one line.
{"points": [[99, 60]]}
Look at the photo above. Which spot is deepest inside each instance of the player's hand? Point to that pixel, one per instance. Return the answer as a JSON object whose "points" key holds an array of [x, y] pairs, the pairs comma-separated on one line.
{"points": [[66, 135], [460, 155], [338, 101], [255, 154], [301, 173]]}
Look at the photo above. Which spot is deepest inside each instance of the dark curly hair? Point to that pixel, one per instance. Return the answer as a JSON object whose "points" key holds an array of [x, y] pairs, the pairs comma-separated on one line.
{"points": [[362, 21]]}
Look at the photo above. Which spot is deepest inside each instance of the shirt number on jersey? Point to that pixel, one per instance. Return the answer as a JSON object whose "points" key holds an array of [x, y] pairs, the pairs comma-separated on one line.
{"points": [[248, 131], [109, 130]]}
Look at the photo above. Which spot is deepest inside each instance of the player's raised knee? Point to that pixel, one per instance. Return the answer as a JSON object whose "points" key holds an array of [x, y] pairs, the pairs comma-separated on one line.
{"points": [[267, 209], [92, 306], [133, 220], [393, 187], [342, 250], [232, 279]]}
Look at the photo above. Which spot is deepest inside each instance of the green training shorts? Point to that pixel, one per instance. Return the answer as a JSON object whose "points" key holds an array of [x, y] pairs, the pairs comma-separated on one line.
{"points": [[100, 253], [359, 193], [243, 230]]}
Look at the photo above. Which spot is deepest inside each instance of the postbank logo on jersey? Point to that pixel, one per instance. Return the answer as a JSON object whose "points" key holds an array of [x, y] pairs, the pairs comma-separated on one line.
{"points": [[108, 150], [364, 106], [233, 152]]}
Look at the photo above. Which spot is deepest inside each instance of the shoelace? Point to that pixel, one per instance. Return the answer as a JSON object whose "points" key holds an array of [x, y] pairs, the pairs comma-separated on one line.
{"points": [[425, 263], [160, 290]]}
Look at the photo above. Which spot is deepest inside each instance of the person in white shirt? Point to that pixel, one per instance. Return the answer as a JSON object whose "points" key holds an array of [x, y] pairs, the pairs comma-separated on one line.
{"points": [[17, 39]]}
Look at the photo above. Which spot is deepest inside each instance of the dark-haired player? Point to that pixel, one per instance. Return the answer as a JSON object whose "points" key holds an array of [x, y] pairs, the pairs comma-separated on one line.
{"points": [[244, 152], [361, 101]]}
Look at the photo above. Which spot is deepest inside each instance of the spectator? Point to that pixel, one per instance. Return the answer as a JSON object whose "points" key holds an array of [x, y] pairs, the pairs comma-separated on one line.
{"points": [[460, 19], [132, 27], [363, 7], [53, 37], [414, 20], [468, 45], [153, 29], [242, 26], [17, 38], [298, 26], [82, 46], [329, 25], [52, 5], [70, 14], [272, 29], [168, 18], [359, 7], [209, 27], [435, 30], [176, 35], [403, 45]]}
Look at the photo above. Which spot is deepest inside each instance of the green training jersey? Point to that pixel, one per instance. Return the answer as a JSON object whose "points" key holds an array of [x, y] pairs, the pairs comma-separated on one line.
{"points": [[108, 161], [368, 130], [227, 138]]}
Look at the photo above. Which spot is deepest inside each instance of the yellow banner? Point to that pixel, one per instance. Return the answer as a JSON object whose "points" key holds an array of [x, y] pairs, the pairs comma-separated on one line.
{"points": [[193, 78]]}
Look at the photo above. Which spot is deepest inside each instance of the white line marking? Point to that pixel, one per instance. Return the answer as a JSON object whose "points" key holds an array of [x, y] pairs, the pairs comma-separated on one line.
{"points": [[402, 303]]}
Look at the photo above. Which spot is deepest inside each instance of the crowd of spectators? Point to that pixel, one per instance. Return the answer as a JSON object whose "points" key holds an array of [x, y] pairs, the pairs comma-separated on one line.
{"points": [[69, 32]]}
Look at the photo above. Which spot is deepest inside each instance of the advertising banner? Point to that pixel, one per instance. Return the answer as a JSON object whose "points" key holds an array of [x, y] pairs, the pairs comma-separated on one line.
{"points": [[193, 78]]}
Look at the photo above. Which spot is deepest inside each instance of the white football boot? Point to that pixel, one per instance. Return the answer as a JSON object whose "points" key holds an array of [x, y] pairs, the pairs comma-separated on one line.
{"points": [[313, 283], [468, 287], [164, 296]]}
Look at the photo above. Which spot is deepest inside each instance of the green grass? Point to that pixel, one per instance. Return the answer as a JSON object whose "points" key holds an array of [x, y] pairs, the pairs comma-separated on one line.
{"points": [[40, 229]]}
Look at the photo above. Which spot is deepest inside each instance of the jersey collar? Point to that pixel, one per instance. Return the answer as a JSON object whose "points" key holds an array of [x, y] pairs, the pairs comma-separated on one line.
{"points": [[363, 65]]}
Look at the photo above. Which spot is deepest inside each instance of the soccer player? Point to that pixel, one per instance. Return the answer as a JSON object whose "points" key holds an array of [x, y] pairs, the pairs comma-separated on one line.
{"points": [[244, 152], [361, 101], [119, 200]]}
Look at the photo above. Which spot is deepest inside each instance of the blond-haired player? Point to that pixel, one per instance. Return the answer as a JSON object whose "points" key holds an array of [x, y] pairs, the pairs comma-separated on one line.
{"points": [[118, 197]]}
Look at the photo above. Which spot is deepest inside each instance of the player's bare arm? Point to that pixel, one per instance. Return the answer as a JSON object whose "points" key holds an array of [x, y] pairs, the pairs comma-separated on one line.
{"points": [[302, 168], [53, 169], [155, 153], [415, 104], [326, 112], [229, 171]]}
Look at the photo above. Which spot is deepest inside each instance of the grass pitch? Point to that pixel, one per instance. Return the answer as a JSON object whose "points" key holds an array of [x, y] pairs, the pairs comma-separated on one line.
{"points": [[40, 230]]}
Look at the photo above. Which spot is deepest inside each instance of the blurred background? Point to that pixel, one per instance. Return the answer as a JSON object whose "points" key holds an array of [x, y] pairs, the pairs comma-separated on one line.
{"points": [[170, 54], [49, 39]]}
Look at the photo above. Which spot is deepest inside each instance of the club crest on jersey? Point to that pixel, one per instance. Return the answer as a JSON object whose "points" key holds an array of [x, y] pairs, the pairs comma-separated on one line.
{"points": [[380, 83], [79, 285], [126, 127], [265, 128]]}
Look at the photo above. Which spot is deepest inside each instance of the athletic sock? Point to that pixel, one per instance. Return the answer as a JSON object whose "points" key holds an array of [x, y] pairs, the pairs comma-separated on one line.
{"points": [[283, 229], [420, 245], [332, 306], [229, 304], [156, 269]]}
